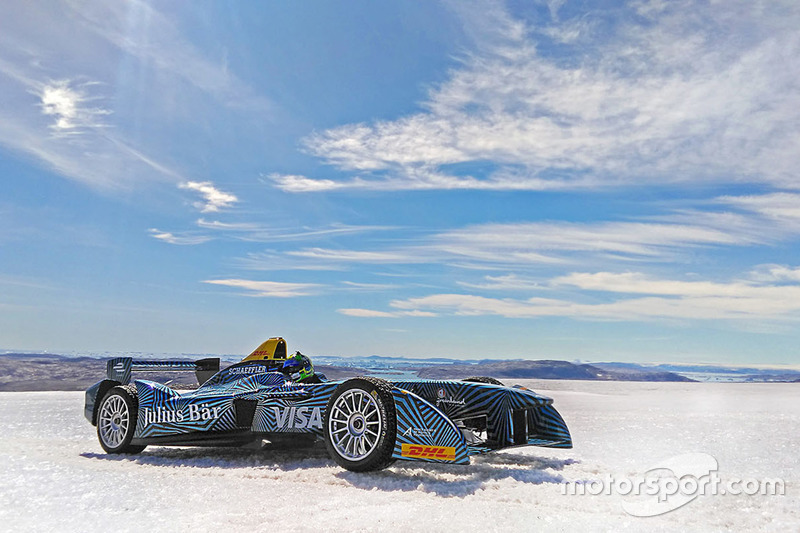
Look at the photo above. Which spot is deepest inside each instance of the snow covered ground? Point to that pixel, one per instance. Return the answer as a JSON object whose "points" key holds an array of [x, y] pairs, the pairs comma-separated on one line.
{"points": [[56, 477]]}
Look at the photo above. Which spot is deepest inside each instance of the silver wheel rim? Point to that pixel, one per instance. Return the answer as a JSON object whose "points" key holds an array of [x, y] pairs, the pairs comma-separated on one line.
{"points": [[355, 424], [113, 421]]}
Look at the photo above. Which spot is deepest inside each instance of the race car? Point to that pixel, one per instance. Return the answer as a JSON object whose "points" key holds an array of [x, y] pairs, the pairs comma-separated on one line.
{"points": [[367, 423]]}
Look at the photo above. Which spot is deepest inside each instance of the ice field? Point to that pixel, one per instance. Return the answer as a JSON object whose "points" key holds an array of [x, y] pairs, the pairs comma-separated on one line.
{"points": [[55, 476]]}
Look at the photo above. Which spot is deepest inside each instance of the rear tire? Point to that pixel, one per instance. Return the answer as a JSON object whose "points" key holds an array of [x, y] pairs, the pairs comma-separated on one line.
{"points": [[484, 379], [361, 424], [116, 420]]}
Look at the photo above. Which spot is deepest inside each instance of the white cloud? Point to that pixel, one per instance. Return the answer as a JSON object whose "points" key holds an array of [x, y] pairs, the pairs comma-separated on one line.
{"points": [[268, 289], [542, 242], [783, 207], [181, 239], [426, 178], [509, 282], [297, 183], [354, 256], [356, 286], [272, 260], [65, 101], [99, 161], [229, 226], [370, 313], [155, 40], [664, 96], [672, 299], [638, 283], [60, 86], [550, 243], [366, 313], [775, 274], [63, 124], [471, 305], [753, 220], [214, 199], [254, 232]]}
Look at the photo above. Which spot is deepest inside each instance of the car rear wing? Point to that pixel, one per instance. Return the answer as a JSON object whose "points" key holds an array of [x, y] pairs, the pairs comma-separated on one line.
{"points": [[120, 368]]}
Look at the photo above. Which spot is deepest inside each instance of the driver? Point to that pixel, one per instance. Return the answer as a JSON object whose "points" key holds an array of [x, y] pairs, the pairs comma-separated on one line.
{"points": [[298, 368]]}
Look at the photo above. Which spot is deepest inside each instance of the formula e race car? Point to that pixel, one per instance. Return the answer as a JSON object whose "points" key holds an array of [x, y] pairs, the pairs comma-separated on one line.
{"points": [[366, 423]]}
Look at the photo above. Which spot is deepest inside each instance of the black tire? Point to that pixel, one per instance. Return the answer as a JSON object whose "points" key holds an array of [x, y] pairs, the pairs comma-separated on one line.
{"points": [[372, 406], [484, 379], [116, 420]]}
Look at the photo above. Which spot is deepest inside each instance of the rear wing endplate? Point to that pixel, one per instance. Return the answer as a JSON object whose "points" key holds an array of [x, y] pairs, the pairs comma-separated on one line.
{"points": [[120, 368]]}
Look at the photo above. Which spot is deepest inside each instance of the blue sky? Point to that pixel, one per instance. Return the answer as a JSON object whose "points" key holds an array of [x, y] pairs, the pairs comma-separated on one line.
{"points": [[574, 180]]}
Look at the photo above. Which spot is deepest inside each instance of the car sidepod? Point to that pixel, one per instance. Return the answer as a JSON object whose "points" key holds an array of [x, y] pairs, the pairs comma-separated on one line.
{"points": [[221, 414], [293, 411], [164, 412]]}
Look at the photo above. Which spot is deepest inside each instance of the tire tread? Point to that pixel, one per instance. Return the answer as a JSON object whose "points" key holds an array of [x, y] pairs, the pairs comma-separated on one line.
{"points": [[382, 457], [130, 392]]}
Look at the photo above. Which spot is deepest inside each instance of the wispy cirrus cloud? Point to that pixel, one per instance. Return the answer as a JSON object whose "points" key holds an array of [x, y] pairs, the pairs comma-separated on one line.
{"points": [[508, 282], [214, 199], [371, 313], [69, 92], [66, 124], [255, 232], [639, 283], [275, 260], [544, 244], [184, 239], [783, 208], [366, 313], [277, 289], [663, 96], [355, 256], [724, 222], [66, 102], [665, 299], [368, 287], [268, 289], [427, 179], [300, 183], [537, 242], [155, 40], [775, 274]]}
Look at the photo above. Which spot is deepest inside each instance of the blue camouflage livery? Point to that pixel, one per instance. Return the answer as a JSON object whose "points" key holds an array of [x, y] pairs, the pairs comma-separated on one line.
{"points": [[426, 420]]}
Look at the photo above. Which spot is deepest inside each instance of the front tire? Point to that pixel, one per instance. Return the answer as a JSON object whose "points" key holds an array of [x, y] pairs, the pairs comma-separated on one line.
{"points": [[116, 420], [361, 424]]}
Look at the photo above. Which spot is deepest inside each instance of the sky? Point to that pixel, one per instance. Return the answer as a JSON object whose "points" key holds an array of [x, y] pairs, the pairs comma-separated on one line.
{"points": [[594, 180]]}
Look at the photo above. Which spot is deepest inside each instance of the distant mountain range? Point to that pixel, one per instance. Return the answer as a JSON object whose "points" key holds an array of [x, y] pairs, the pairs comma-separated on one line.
{"points": [[43, 372], [544, 369], [710, 372], [31, 371]]}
